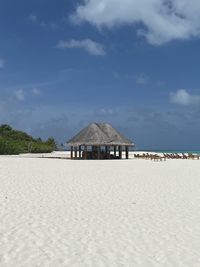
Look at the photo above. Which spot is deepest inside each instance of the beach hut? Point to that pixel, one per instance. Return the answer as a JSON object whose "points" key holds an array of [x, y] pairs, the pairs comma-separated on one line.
{"points": [[99, 141]]}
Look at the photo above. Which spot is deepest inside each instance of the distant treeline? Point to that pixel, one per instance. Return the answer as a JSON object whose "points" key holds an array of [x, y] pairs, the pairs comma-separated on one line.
{"points": [[14, 142]]}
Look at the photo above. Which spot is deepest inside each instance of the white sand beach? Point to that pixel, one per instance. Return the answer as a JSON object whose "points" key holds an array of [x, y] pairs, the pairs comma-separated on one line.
{"points": [[114, 213]]}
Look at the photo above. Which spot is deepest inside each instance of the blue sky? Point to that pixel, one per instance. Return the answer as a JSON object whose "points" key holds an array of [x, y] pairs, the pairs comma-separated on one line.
{"points": [[134, 64]]}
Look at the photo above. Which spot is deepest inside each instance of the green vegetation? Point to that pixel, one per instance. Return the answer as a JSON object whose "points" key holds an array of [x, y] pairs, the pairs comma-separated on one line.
{"points": [[14, 142]]}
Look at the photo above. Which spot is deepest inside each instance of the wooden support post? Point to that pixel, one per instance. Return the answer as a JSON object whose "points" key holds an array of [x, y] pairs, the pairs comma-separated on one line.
{"points": [[98, 152], [106, 150], [115, 151], [75, 149], [120, 152], [127, 152], [79, 152], [72, 152], [85, 152], [92, 155]]}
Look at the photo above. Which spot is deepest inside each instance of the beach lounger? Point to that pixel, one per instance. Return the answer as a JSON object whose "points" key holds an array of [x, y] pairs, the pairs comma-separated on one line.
{"points": [[157, 157], [184, 156], [193, 156]]}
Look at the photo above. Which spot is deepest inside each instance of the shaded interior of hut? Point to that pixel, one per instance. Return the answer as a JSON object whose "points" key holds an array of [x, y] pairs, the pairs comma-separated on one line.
{"points": [[100, 152], [97, 152]]}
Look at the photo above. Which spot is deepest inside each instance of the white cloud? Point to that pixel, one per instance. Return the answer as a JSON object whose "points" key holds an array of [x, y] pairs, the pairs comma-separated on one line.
{"points": [[36, 20], [33, 18], [141, 79], [19, 95], [159, 21], [160, 83], [116, 75], [182, 97], [88, 45], [35, 91], [106, 112], [43, 24], [53, 26], [2, 63]]}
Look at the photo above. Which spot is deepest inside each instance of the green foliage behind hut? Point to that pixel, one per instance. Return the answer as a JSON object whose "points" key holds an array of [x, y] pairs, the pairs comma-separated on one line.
{"points": [[13, 142]]}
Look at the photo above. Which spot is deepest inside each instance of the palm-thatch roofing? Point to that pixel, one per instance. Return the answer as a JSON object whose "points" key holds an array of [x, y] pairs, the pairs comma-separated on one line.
{"points": [[99, 134]]}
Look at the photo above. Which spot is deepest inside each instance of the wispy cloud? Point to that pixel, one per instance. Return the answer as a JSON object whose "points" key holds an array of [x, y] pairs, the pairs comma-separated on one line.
{"points": [[105, 112], [182, 97], [31, 86], [116, 75], [141, 79], [33, 18], [53, 26], [2, 63], [35, 91], [160, 21], [88, 45], [160, 83], [43, 24], [19, 95]]}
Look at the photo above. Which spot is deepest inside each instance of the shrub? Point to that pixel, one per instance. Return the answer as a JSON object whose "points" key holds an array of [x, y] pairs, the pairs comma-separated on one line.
{"points": [[14, 142]]}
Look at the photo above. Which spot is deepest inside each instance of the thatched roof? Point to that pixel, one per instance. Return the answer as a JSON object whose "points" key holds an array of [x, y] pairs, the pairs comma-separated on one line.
{"points": [[99, 134]]}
